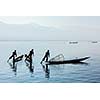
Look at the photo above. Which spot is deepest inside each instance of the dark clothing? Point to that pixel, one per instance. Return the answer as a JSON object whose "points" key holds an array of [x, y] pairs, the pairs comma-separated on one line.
{"points": [[31, 52], [47, 55], [29, 59], [29, 56], [14, 54]]}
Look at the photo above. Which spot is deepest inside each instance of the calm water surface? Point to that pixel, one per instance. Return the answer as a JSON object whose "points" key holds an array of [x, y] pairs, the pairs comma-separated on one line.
{"points": [[66, 73]]}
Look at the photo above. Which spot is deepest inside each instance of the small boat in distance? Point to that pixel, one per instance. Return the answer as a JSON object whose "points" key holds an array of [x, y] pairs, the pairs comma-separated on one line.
{"points": [[94, 41], [73, 61], [73, 42]]}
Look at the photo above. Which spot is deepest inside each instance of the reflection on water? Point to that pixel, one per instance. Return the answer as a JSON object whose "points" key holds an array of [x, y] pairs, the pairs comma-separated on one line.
{"points": [[13, 67], [46, 70], [89, 71], [30, 67]]}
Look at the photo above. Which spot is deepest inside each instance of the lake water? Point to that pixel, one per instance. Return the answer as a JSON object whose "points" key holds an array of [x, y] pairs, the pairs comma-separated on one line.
{"points": [[66, 73]]}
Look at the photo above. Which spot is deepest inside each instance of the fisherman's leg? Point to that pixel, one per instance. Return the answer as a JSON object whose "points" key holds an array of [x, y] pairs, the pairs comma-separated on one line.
{"points": [[42, 60], [27, 59], [30, 63], [13, 63], [46, 59]]}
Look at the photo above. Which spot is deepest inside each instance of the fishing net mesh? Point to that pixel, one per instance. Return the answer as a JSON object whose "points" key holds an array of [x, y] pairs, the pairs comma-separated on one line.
{"points": [[59, 57]]}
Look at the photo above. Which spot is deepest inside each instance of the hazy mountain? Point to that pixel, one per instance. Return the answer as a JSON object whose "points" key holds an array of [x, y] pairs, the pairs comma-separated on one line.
{"points": [[28, 32], [36, 32]]}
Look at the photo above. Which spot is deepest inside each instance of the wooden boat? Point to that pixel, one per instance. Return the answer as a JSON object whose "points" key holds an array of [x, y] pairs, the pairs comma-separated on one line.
{"points": [[73, 61]]}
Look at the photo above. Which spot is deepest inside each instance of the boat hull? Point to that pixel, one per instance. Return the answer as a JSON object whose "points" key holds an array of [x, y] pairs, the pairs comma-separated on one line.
{"points": [[73, 61]]}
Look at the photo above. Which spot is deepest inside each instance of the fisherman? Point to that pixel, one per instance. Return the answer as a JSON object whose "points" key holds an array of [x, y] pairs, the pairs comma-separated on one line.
{"points": [[29, 57], [31, 53], [14, 54], [47, 55]]}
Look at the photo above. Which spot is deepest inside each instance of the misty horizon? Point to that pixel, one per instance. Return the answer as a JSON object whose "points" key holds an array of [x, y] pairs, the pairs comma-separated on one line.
{"points": [[50, 28]]}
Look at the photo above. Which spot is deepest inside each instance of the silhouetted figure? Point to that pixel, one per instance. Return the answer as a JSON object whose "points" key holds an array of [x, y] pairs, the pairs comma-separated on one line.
{"points": [[45, 58], [14, 54], [29, 56], [46, 70], [31, 52], [28, 60]]}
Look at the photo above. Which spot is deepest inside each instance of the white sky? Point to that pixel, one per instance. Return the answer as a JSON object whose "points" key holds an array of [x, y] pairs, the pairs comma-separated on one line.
{"points": [[54, 21]]}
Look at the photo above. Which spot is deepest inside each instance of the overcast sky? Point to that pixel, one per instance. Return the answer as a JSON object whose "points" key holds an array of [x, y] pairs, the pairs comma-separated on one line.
{"points": [[54, 21], [83, 27]]}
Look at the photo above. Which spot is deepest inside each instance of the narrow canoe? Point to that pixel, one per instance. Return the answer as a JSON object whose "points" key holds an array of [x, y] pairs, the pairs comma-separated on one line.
{"points": [[68, 61]]}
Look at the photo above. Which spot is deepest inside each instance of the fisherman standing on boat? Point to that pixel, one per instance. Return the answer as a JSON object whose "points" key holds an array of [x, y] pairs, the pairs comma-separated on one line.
{"points": [[29, 59], [45, 58], [14, 54], [29, 56]]}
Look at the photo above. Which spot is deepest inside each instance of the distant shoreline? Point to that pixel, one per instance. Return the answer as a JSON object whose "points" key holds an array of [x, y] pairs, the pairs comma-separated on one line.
{"points": [[52, 40]]}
